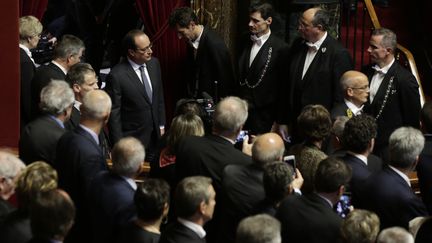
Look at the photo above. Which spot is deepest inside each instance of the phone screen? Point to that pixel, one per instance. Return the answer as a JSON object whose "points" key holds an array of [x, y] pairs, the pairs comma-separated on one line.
{"points": [[241, 136], [290, 159], [343, 205]]}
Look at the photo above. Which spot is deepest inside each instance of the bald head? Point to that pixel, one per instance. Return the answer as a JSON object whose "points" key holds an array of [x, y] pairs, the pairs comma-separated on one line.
{"points": [[356, 87], [267, 148], [96, 105]]}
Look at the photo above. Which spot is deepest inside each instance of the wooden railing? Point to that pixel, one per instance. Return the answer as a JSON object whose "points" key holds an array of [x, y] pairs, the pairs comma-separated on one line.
{"points": [[403, 55]]}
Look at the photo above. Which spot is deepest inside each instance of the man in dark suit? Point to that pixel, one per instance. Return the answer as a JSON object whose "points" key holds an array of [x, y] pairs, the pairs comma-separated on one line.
{"points": [[39, 138], [67, 52], [316, 63], [358, 139], [213, 70], [388, 192], [259, 69], [135, 88], [394, 98], [111, 193], [29, 34], [355, 86], [209, 155], [242, 185], [311, 218], [424, 166], [80, 158], [195, 202]]}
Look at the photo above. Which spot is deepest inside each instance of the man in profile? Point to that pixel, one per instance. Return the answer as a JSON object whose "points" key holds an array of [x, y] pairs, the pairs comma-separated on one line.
{"points": [[135, 88], [213, 70]]}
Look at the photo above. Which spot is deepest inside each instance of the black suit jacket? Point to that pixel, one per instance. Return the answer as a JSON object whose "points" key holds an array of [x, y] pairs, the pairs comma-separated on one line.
{"points": [[424, 173], [178, 233], [27, 71], [79, 159], [308, 219], [391, 198], [111, 204], [133, 114], [320, 84], [403, 103], [360, 172], [207, 156], [241, 196], [44, 74], [212, 63], [39, 140], [265, 93]]}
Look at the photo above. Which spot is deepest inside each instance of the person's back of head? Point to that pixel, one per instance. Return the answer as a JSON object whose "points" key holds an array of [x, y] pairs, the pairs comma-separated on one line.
{"points": [[277, 180], [331, 175], [267, 148], [182, 126], [395, 235], [56, 98], [308, 160], [337, 131], [360, 226], [96, 106], [260, 228], [152, 199], [405, 145], [426, 117], [358, 134], [52, 215], [191, 195], [229, 116], [182, 17], [127, 157], [36, 177], [29, 27], [10, 169], [68, 47], [265, 9], [314, 123]]}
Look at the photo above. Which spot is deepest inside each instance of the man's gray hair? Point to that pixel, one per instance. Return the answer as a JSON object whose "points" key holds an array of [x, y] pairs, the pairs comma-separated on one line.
{"points": [[230, 114], [260, 228], [96, 105], [395, 234], [69, 45], [405, 145], [56, 97], [127, 156], [389, 39], [190, 193], [10, 165], [29, 26], [339, 126]]}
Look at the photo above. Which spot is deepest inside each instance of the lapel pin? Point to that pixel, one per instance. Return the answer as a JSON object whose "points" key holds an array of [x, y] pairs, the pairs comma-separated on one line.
{"points": [[323, 50]]}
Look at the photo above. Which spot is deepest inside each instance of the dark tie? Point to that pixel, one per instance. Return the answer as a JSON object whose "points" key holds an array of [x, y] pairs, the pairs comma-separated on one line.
{"points": [[146, 83]]}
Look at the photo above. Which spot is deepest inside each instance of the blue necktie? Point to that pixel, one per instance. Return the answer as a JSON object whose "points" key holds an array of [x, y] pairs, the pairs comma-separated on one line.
{"points": [[146, 83]]}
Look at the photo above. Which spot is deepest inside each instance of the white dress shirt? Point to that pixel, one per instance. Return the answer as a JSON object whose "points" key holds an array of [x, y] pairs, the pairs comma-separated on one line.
{"points": [[377, 79], [313, 50], [136, 68], [258, 42], [198, 229]]}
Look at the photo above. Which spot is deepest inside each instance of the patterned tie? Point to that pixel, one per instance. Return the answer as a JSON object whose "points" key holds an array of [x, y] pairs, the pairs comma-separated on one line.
{"points": [[146, 83]]}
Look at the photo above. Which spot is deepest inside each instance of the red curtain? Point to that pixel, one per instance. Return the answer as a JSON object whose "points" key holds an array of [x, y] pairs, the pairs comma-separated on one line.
{"points": [[170, 51], [33, 7]]}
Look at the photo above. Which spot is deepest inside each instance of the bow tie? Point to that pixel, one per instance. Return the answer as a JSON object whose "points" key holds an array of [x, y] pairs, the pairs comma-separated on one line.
{"points": [[379, 70], [313, 47], [256, 40]]}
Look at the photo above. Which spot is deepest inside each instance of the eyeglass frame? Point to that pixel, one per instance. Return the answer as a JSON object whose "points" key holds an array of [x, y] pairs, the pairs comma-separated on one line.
{"points": [[145, 49]]}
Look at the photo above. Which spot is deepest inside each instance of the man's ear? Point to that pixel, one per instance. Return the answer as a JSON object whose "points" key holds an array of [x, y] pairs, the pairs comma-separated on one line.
{"points": [[76, 88], [202, 207], [269, 20]]}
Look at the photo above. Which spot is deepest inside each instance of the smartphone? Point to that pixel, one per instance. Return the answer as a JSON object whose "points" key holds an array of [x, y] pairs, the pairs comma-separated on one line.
{"points": [[241, 136], [343, 205], [290, 159]]}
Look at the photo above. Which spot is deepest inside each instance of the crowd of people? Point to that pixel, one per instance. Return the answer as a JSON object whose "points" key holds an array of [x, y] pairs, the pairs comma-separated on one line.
{"points": [[353, 138]]}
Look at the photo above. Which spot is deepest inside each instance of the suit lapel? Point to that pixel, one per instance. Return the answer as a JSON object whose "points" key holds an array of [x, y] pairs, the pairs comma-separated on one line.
{"points": [[244, 59], [379, 97], [137, 82], [315, 62], [261, 57]]}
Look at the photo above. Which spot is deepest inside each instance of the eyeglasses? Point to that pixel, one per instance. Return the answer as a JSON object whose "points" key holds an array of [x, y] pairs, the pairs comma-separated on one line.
{"points": [[146, 49]]}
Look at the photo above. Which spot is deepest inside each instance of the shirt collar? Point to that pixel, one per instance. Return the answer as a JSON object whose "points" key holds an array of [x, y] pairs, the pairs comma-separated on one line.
{"points": [[92, 133], [262, 39], [318, 43], [359, 156], [405, 177], [26, 49], [130, 181], [77, 105], [325, 199], [353, 107], [195, 43], [57, 120], [60, 66], [385, 69], [134, 65], [198, 229]]}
